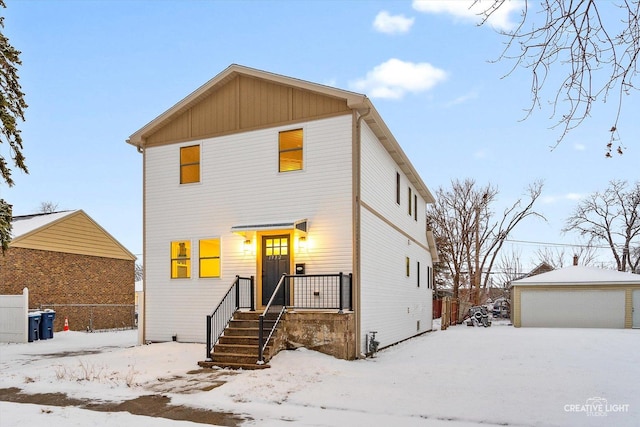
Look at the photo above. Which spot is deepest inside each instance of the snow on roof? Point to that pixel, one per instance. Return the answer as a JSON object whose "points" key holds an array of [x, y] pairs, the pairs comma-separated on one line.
{"points": [[578, 274], [24, 224]]}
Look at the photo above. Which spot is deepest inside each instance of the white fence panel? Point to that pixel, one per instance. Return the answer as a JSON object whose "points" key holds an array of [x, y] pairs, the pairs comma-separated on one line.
{"points": [[13, 317]]}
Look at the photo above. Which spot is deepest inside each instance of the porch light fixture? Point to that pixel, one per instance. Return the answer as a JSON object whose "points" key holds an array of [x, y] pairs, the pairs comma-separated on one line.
{"points": [[302, 244], [247, 246]]}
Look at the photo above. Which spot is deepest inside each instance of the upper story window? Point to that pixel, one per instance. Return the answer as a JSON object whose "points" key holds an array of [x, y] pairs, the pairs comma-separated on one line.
{"points": [[290, 150], [398, 188], [210, 258], [181, 259], [189, 164], [409, 199], [415, 207]]}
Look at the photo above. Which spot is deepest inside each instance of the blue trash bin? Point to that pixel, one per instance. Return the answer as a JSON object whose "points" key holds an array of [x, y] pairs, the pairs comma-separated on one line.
{"points": [[46, 324], [34, 326]]}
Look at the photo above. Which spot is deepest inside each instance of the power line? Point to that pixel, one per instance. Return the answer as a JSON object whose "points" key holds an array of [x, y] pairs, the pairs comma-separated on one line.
{"points": [[573, 245]]}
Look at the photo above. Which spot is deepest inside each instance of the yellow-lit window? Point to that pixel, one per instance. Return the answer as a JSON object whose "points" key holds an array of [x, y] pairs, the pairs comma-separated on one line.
{"points": [[274, 247], [210, 258], [181, 259], [408, 267], [290, 150], [189, 164]]}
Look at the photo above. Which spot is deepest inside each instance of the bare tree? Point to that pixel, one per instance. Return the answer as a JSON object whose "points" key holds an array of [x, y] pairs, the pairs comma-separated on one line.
{"points": [[561, 257], [612, 217], [47, 207], [470, 236], [509, 267], [595, 53]]}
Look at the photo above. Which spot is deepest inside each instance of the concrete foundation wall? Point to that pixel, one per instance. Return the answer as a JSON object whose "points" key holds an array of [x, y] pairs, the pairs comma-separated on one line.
{"points": [[328, 333]]}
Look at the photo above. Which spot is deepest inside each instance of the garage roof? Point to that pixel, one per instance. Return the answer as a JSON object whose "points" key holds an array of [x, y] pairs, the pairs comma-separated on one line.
{"points": [[578, 274]]}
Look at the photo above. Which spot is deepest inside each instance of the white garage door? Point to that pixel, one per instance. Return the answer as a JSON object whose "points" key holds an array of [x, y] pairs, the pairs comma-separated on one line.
{"points": [[572, 309]]}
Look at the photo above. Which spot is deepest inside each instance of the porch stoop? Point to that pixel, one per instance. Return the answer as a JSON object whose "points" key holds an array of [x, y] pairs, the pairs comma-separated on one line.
{"points": [[237, 348]]}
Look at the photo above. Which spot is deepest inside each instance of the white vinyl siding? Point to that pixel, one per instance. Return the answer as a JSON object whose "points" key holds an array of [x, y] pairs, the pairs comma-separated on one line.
{"points": [[240, 185], [378, 188], [572, 308], [391, 303]]}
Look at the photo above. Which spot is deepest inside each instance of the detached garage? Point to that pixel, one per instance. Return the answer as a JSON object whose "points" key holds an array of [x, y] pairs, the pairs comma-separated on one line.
{"points": [[577, 297]]}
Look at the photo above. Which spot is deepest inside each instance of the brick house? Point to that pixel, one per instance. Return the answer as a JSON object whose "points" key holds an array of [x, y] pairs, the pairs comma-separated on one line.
{"points": [[72, 265]]}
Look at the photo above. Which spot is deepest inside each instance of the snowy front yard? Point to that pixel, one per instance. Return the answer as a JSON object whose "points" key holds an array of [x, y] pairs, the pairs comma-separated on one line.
{"points": [[459, 377]]}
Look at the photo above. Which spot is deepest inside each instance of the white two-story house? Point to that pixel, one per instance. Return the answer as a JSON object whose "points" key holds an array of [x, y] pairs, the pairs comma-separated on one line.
{"points": [[255, 175]]}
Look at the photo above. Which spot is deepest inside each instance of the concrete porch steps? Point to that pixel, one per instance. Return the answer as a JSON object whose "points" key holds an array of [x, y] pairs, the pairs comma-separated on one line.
{"points": [[237, 348]]}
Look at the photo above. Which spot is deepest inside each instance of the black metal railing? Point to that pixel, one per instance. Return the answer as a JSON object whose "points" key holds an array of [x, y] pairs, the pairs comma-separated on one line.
{"points": [[305, 291], [269, 319], [241, 294], [319, 291]]}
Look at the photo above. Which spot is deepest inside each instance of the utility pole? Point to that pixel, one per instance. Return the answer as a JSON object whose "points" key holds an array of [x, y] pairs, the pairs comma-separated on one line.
{"points": [[476, 279], [476, 293]]}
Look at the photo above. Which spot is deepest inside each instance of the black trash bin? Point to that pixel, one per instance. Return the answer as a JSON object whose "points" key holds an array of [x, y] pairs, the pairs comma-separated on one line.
{"points": [[34, 326], [46, 324]]}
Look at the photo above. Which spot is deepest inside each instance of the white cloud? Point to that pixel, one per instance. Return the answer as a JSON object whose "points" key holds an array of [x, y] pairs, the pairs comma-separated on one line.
{"points": [[392, 24], [395, 78], [468, 11], [579, 147]]}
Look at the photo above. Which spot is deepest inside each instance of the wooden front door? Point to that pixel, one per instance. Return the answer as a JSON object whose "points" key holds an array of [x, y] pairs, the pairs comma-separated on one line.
{"points": [[276, 257]]}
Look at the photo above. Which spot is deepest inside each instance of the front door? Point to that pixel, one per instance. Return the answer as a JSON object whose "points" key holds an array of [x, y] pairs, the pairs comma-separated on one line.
{"points": [[275, 262]]}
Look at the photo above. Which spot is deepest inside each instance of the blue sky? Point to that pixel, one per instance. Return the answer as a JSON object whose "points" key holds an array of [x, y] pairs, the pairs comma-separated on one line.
{"points": [[94, 72]]}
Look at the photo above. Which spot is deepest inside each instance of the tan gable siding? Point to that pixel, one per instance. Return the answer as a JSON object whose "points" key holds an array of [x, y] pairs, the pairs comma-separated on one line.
{"points": [[262, 103], [308, 105], [246, 103], [216, 113], [74, 234]]}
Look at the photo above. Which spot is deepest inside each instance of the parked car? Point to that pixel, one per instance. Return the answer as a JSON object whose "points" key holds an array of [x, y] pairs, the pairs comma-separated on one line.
{"points": [[501, 309]]}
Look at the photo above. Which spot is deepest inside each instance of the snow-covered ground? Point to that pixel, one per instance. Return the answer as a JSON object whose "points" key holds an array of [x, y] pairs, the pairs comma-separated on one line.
{"points": [[459, 377]]}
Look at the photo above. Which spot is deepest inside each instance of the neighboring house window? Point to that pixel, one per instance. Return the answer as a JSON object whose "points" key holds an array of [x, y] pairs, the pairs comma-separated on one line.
{"points": [[189, 164], [408, 267], [418, 272], [397, 188], [210, 258], [410, 211], [415, 207], [290, 150], [181, 259], [429, 277]]}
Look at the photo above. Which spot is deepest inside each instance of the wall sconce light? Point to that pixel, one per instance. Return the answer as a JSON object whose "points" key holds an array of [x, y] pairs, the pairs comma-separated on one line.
{"points": [[302, 244], [247, 246]]}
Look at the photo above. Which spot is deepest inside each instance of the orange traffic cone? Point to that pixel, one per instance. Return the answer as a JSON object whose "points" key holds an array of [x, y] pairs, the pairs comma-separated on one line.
{"points": [[66, 324]]}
